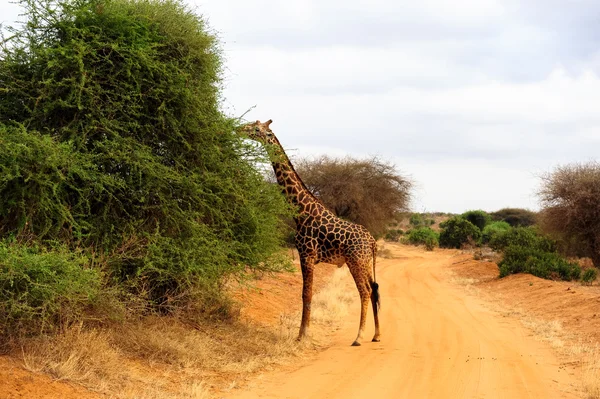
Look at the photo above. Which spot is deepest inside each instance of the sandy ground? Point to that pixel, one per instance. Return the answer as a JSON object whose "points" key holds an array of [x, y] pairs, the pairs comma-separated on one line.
{"points": [[18, 383], [437, 342]]}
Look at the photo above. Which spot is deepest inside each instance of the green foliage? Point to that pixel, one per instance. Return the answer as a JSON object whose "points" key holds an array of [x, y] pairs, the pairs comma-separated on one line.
{"points": [[516, 217], [112, 141], [423, 236], [458, 231], [393, 234], [42, 290], [540, 263], [589, 276], [492, 230], [478, 217], [524, 237]]}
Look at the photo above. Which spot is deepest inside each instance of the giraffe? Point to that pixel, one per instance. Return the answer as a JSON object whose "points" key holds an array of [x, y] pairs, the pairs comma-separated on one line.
{"points": [[321, 236]]}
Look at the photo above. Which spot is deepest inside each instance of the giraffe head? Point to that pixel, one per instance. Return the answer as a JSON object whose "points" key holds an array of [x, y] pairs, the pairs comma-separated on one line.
{"points": [[259, 131]]}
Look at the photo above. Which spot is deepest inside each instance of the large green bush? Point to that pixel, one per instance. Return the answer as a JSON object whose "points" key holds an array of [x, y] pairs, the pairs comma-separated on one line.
{"points": [[478, 217], [549, 265], [112, 141], [457, 231], [423, 236]]}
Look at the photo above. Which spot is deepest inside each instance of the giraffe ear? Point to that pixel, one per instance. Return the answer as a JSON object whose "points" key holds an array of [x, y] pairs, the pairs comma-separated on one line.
{"points": [[268, 122]]}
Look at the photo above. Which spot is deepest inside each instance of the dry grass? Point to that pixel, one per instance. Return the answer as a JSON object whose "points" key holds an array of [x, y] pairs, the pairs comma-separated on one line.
{"points": [[163, 358], [158, 357], [331, 304], [95, 360], [591, 374]]}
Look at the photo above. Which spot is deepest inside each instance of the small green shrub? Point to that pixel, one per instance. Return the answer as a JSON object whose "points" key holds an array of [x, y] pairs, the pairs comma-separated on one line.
{"points": [[458, 231], [492, 230], [524, 237], [589, 276], [393, 234], [416, 220], [424, 236], [478, 217], [43, 290], [420, 219], [540, 263]]}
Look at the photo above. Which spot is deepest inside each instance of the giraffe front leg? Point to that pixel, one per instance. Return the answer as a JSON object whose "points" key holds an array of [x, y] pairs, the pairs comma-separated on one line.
{"points": [[307, 266]]}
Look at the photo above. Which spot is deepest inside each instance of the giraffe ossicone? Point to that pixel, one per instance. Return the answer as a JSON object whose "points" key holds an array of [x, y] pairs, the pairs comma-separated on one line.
{"points": [[321, 236]]}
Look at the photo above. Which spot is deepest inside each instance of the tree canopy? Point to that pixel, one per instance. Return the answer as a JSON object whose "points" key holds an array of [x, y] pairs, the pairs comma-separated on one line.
{"points": [[570, 199], [366, 191]]}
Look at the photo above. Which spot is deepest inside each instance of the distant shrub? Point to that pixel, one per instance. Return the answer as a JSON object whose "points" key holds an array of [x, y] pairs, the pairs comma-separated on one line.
{"points": [[44, 290], [393, 234], [589, 276], [478, 217], [458, 231], [423, 236], [516, 217], [492, 230], [523, 237], [416, 220], [548, 265], [420, 219]]}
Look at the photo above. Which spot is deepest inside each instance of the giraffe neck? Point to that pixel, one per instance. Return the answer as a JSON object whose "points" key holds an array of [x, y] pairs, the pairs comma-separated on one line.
{"points": [[292, 186]]}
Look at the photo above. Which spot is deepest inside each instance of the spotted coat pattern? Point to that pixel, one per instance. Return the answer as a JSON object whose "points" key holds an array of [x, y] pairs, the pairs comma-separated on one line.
{"points": [[321, 236]]}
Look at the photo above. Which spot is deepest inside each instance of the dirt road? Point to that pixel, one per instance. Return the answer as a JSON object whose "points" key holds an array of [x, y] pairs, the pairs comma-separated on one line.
{"points": [[437, 342]]}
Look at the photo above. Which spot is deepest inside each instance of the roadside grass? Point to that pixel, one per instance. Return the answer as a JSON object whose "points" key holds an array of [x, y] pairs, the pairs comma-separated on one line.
{"points": [[333, 302], [591, 375], [164, 358]]}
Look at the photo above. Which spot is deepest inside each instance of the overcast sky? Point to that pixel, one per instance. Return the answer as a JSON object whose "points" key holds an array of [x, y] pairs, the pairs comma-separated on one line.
{"points": [[473, 99]]}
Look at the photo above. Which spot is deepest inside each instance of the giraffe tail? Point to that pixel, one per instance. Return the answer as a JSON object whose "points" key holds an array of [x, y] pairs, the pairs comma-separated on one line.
{"points": [[374, 286]]}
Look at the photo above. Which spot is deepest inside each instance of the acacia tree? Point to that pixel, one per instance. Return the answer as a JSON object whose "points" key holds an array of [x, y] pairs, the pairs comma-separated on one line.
{"points": [[365, 191], [570, 198]]}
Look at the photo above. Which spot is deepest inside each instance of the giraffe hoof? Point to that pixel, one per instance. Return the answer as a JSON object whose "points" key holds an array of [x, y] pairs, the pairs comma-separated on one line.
{"points": [[355, 343], [376, 340]]}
